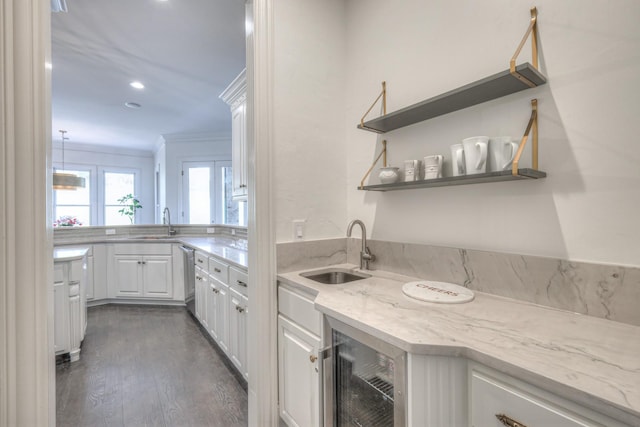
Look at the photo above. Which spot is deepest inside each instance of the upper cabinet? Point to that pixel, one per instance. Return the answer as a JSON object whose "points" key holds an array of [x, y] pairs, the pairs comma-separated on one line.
{"points": [[236, 97]]}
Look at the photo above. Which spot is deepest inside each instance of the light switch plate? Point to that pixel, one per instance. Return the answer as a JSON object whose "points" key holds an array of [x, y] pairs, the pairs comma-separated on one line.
{"points": [[298, 229], [211, 230], [110, 231]]}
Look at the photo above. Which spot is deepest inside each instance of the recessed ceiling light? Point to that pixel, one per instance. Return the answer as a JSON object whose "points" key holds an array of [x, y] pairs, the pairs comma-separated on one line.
{"points": [[136, 85], [132, 105]]}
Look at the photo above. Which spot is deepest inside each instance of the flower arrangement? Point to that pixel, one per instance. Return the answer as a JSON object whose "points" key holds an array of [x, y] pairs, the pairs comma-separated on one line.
{"points": [[67, 221]]}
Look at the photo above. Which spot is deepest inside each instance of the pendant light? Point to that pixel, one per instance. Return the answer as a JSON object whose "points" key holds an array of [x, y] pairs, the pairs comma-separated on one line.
{"points": [[66, 181]]}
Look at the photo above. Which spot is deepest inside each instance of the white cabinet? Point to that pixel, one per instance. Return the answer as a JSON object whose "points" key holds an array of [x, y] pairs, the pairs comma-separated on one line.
{"points": [[201, 303], [495, 396], [238, 309], [69, 296], [142, 271], [61, 312], [299, 375], [299, 364], [235, 97], [218, 312]]}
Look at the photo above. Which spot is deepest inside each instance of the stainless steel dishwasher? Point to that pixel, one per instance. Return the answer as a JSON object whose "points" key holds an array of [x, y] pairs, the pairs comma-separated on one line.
{"points": [[189, 278]]}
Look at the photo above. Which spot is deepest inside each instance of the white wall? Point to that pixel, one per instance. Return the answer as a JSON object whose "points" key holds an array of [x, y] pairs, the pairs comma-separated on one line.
{"points": [[590, 52], [309, 123], [110, 157], [180, 148]]}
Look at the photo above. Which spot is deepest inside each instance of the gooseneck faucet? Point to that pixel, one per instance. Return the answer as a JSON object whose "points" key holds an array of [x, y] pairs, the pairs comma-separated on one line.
{"points": [[365, 254], [166, 219]]}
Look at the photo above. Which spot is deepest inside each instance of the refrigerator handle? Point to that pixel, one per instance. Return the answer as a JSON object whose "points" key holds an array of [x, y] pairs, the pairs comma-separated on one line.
{"points": [[326, 386]]}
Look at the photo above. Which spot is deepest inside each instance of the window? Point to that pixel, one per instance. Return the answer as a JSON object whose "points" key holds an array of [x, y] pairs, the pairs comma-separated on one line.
{"points": [[74, 203], [116, 186], [207, 194]]}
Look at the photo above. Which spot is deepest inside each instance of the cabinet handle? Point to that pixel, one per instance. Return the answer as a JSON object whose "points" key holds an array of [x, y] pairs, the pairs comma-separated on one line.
{"points": [[139, 262], [313, 358], [217, 270], [243, 185], [200, 261], [215, 291], [144, 262], [240, 309], [508, 421], [241, 283]]}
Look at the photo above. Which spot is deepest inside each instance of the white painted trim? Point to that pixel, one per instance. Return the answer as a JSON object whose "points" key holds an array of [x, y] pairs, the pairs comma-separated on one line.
{"points": [[195, 137], [236, 92], [262, 328], [27, 365], [104, 149]]}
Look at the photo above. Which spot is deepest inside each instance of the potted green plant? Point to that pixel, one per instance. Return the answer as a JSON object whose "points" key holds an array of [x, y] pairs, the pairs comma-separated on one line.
{"points": [[131, 204]]}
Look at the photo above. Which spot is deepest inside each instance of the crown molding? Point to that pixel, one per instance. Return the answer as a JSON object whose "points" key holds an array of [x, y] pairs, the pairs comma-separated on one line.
{"points": [[237, 89]]}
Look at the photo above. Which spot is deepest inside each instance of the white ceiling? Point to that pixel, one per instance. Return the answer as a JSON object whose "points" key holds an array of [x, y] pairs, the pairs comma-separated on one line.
{"points": [[185, 52]]}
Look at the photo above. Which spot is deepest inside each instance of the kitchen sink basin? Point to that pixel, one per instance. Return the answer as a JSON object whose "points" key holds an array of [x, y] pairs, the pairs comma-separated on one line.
{"points": [[335, 276]]}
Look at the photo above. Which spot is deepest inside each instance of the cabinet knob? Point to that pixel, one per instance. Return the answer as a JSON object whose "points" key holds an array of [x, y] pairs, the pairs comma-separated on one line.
{"points": [[508, 421], [241, 283], [243, 185], [240, 309], [215, 291], [313, 358]]}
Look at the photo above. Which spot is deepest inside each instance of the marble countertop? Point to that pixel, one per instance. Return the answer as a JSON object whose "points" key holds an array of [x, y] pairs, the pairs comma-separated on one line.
{"points": [[589, 360], [219, 246], [68, 254], [232, 250]]}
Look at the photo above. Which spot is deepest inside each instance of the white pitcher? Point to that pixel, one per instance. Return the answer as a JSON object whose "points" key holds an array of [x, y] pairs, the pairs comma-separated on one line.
{"points": [[475, 154], [457, 160], [501, 153]]}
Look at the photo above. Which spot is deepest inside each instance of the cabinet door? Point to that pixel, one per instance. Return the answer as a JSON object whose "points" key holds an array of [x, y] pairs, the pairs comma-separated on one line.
{"points": [[492, 397], [299, 375], [128, 276], [238, 154], [89, 282], [61, 338], [157, 273], [199, 285], [238, 330], [213, 295], [222, 316]]}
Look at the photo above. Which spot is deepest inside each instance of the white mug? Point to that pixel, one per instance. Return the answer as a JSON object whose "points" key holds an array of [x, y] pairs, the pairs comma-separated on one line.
{"points": [[433, 166], [475, 154], [501, 153], [457, 160]]}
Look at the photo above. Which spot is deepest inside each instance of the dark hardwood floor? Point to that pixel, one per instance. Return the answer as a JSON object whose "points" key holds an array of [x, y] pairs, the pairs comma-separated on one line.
{"points": [[147, 366]]}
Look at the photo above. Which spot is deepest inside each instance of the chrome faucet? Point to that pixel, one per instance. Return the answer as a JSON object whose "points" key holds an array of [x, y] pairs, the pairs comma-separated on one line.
{"points": [[365, 254], [166, 219]]}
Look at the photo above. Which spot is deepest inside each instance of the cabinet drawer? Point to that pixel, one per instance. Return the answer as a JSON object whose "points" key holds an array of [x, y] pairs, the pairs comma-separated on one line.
{"points": [[238, 280], [75, 270], [218, 270], [202, 260], [494, 395], [74, 290], [58, 272], [300, 309], [142, 249]]}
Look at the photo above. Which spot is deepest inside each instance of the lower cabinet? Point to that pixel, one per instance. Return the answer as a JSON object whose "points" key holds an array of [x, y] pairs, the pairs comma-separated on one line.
{"points": [[143, 276], [222, 306], [299, 361], [238, 306], [298, 375], [498, 399], [69, 299]]}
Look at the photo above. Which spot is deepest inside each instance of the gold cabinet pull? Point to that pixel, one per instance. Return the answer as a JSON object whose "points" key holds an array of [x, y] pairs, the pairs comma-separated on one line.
{"points": [[508, 421], [313, 358]]}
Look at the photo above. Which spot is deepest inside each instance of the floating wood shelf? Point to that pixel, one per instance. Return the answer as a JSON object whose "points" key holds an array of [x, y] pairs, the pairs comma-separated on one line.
{"points": [[492, 87], [459, 180]]}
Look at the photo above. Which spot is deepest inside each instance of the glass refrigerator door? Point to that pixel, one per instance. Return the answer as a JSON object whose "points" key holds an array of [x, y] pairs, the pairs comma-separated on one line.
{"points": [[363, 384]]}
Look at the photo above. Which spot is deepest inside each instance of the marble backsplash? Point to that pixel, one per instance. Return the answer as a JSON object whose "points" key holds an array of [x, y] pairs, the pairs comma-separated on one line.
{"points": [[606, 291]]}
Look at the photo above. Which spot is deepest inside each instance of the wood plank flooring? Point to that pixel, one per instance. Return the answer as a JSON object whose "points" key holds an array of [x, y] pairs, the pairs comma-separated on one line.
{"points": [[147, 366]]}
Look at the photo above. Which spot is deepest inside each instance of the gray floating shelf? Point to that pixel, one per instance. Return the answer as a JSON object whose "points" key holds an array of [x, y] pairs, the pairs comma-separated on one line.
{"points": [[459, 180], [492, 87]]}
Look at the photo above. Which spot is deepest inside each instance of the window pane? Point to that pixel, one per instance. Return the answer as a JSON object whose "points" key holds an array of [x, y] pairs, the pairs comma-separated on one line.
{"points": [[82, 213], [113, 217], [81, 196], [230, 206], [116, 186], [199, 195]]}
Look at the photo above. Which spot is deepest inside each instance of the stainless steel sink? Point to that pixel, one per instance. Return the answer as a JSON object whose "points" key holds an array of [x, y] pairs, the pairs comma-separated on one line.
{"points": [[335, 276]]}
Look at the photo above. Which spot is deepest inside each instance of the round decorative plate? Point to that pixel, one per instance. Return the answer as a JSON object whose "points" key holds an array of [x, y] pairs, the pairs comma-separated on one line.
{"points": [[439, 292]]}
